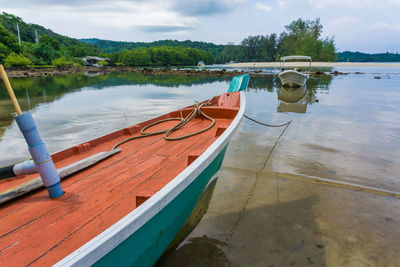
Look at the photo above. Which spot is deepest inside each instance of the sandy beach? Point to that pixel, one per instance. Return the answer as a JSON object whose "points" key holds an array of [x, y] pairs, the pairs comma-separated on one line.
{"points": [[314, 64]]}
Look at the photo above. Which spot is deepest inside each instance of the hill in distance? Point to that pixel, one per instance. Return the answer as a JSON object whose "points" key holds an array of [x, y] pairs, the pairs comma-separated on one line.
{"points": [[27, 31], [109, 46], [348, 56]]}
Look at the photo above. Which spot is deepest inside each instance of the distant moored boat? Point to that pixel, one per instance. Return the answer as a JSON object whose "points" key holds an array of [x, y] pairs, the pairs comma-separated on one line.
{"points": [[293, 78]]}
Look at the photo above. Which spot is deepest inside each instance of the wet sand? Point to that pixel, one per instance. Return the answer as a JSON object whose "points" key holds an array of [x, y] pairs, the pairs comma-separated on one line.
{"points": [[259, 217], [314, 64]]}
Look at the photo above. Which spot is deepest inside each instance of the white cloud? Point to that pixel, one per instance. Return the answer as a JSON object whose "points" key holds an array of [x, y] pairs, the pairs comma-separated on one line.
{"points": [[150, 14], [321, 4], [344, 22], [354, 33], [385, 26], [263, 7]]}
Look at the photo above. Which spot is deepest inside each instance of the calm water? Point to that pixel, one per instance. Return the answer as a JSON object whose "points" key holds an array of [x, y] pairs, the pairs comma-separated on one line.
{"points": [[265, 211]]}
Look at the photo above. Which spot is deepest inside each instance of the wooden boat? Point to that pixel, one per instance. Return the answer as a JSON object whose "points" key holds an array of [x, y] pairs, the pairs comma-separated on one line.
{"points": [[130, 207], [293, 78]]}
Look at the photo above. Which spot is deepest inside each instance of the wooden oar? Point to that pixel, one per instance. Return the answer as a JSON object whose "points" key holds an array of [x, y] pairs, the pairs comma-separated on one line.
{"points": [[37, 182], [10, 90]]}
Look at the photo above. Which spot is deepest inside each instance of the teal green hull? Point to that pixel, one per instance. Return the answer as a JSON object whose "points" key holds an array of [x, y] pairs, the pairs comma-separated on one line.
{"points": [[147, 244]]}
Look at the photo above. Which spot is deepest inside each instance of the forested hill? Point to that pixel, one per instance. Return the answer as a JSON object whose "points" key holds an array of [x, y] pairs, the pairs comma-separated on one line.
{"points": [[301, 37], [348, 56], [27, 32], [109, 46]]}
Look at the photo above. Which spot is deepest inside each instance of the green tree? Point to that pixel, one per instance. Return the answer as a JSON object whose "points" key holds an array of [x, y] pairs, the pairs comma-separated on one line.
{"points": [[46, 39], [28, 50], [251, 47], [9, 39], [161, 56], [303, 37], [231, 52], [45, 54], [15, 60], [62, 62], [4, 52], [135, 57]]}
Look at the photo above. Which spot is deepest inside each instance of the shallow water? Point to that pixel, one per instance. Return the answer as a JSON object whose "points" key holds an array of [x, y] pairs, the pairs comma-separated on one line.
{"points": [[265, 211]]}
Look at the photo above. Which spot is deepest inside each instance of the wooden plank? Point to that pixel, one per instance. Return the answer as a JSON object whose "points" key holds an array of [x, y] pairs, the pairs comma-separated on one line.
{"points": [[113, 210], [138, 154], [96, 203]]}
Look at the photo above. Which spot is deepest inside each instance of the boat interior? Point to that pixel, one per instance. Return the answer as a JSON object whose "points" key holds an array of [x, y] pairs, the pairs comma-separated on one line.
{"points": [[100, 195]]}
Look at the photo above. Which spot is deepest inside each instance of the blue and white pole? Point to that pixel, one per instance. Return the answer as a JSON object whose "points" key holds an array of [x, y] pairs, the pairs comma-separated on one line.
{"points": [[40, 155], [37, 148]]}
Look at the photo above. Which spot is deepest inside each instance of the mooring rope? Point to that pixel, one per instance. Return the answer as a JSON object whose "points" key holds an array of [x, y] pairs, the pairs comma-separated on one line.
{"points": [[258, 174], [182, 122], [268, 125]]}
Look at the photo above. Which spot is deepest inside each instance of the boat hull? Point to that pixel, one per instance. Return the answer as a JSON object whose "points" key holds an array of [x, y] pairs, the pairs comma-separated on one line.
{"points": [[292, 78], [143, 235], [145, 246]]}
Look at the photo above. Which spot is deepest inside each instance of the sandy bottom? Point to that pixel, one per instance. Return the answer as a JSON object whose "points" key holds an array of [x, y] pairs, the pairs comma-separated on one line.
{"points": [[314, 64], [258, 217]]}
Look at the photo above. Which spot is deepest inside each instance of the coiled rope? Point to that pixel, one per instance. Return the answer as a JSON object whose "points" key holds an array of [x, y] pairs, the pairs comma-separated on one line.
{"points": [[182, 122]]}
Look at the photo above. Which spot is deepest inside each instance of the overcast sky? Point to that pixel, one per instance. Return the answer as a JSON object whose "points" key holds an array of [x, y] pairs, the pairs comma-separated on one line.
{"points": [[357, 25]]}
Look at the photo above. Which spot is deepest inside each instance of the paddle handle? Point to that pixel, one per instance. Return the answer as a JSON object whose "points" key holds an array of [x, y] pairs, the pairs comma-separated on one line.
{"points": [[10, 90]]}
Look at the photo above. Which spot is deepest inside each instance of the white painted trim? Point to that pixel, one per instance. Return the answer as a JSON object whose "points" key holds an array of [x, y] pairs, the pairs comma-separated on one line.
{"points": [[99, 246]]}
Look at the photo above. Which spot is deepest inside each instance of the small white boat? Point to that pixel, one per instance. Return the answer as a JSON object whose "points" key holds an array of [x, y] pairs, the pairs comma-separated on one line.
{"points": [[293, 78]]}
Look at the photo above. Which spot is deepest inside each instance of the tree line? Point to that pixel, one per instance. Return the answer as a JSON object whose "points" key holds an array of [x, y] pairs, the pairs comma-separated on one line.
{"points": [[299, 37], [348, 56], [161, 56], [109, 46]]}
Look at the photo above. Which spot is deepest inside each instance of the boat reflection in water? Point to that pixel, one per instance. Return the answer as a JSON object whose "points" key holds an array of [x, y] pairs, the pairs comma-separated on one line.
{"points": [[292, 99]]}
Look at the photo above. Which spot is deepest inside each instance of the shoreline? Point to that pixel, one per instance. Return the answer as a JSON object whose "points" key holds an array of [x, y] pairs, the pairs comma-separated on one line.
{"points": [[42, 72], [314, 64], [227, 70]]}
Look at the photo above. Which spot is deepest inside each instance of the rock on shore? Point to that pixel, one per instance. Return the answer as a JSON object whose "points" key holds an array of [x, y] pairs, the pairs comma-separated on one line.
{"points": [[38, 72]]}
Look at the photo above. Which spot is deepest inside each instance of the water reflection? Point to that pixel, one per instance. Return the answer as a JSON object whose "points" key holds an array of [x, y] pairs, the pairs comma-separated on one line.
{"points": [[199, 251], [264, 82], [75, 108], [292, 99], [320, 82], [31, 92]]}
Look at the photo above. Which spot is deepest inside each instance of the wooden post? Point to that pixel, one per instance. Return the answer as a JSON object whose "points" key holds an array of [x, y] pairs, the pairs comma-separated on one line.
{"points": [[10, 90]]}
